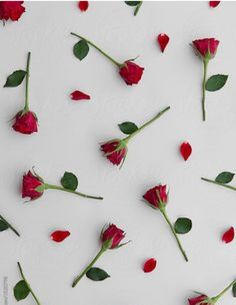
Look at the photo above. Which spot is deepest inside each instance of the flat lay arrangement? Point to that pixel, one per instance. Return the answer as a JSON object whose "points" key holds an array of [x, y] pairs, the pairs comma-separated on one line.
{"points": [[160, 206]]}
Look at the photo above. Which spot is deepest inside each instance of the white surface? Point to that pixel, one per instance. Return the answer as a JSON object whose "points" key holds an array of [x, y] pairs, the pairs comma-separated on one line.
{"points": [[69, 136]]}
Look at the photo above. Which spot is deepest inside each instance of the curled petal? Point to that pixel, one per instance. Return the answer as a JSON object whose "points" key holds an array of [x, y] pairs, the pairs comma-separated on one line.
{"points": [[78, 95], [149, 265], [214, 3], [185, 150], [59, 236], [83, 5], [228, 236], [163, 40]]}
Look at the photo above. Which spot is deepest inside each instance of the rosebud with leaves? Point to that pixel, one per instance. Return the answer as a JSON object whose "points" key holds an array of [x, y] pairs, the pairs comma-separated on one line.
{"points": [[33, 186], [157, 198], [11, 10], [206, 49], [25, 120], [116, 150], [202, 299], [111, 237], [128, 70], [22, 289]]}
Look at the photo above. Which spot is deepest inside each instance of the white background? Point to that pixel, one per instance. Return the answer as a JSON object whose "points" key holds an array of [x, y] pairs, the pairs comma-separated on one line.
{"points": [[69, 136]]}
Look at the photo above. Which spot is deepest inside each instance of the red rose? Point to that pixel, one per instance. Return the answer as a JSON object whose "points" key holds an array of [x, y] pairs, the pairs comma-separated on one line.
{"points": [[206, 47], [25, 122], [114, 234], [197, 300], [131, 73], [115, 151], [154, 195], [11, 10], [29, 186]]}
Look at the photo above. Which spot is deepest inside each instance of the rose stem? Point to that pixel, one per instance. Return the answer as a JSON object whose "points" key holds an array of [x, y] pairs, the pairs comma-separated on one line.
{"points": [[218, 183], [10, 226], [137, 8], [60, 188], [146, 124], [174, 233], [205, 63], [100, 50], [26, 108], [216, 298], [79, 277], [30, 289]]}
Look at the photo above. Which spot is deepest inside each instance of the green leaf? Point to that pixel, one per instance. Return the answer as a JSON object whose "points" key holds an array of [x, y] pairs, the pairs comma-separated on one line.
{"points": [[183, 225], [224, 177], [81, 49], [132, 3], [15, 79], [234, 290], [97, 274], [216, 82], [21, 290], [3, 225], [128, 127], [69, 181]]}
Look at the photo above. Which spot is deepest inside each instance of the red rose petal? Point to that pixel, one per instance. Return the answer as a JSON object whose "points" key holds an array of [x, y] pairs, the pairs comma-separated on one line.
{"points": [[163, 40], [149, 265], [214, 3], [185, 150], [59, 236], [78, 95], [83, 5], [228, 236]]}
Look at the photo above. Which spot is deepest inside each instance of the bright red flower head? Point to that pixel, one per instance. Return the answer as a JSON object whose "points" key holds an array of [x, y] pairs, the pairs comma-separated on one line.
{"points": [[131, 73], [83, 5], [155, 195], [197, 300], [114, 234], [11, 10], [115, 151], [29, 186], [25, 123], [206, 47], [59, 236], [163, 40]]}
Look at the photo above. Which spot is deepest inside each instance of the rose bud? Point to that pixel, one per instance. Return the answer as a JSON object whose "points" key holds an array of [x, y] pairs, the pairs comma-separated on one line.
{"points": [[206, 48], [116, 150], [129, 71], [11, 10], [110, 239], [25, 122], [34, 186], [114, 235], [30, 186], [157, 198], [205, 300]]}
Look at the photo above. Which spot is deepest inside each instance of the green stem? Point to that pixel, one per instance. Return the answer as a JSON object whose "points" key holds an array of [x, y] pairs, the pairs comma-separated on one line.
{"points": [[119, 65], [28, 285], [216, 298], [163, 211], [205, 63], [10, 226], [146, 124], [137, 8], [60, 188], [79, 277], [26, 108], [218, 183]]}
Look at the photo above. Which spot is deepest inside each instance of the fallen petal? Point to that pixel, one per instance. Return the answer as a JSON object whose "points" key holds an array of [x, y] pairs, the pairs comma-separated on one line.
{"points": [[59, 236], [214, 3], [83, 5], [163, 40], [78, 95], [185, 150], [228, 236], [149, 265]]}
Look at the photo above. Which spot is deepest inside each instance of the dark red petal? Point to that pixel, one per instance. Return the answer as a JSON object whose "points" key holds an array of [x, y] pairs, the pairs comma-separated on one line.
{"points": [[149, 265], [163, 40], [214, 3], [185, 150], [228, 236], [59, 236], [83, 5], [78, 95]]}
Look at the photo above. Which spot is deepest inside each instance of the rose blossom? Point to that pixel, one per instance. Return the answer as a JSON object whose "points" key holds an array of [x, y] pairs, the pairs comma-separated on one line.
{"points": [[114, 234], [155, 194], [115, 150], [131, 73], [29, 186], [11, 10], [206, 47], [25, 122]]}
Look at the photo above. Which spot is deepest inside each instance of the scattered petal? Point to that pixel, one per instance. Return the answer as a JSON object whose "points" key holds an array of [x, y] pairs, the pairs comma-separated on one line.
{"points": [[149, 265], [228, 236], [163, 40], [78, 95], [185, 150], [214, 3], [83, 5], [59, 236]]}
